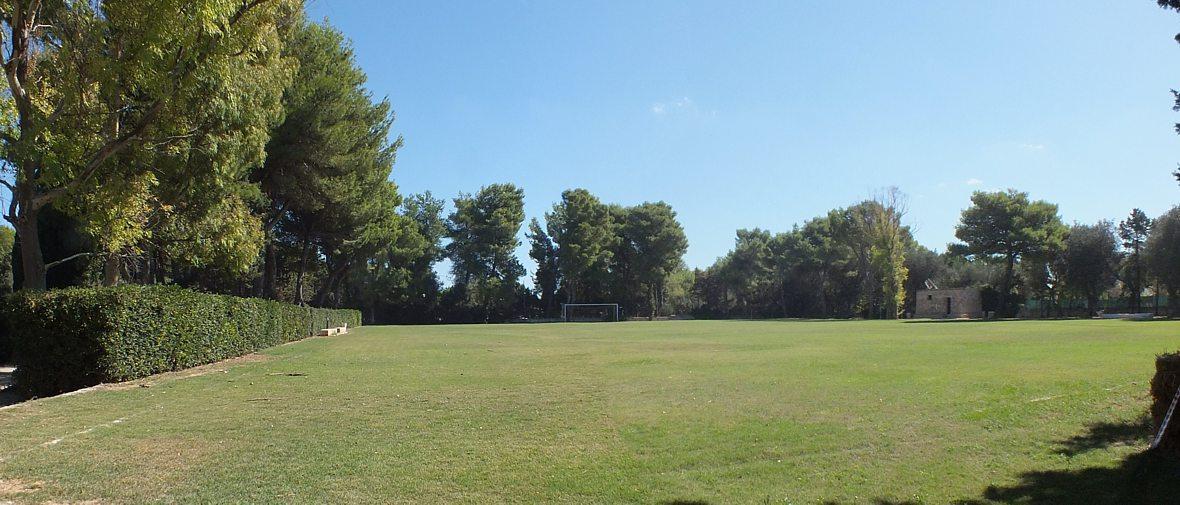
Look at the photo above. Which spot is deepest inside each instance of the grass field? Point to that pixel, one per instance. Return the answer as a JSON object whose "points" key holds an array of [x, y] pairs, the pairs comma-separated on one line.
{"points": [[688, 412]]}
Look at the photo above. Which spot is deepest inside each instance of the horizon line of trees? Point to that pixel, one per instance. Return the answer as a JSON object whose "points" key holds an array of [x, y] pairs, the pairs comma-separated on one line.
{"points": [[233, 147], [1011, 248]]}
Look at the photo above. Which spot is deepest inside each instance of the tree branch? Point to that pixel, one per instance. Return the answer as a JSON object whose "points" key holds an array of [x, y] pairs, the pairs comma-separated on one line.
{"points": [[67, 259]]}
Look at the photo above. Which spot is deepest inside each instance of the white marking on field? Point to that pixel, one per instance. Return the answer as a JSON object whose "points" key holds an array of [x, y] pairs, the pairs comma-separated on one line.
{"points": [[51, 443]]}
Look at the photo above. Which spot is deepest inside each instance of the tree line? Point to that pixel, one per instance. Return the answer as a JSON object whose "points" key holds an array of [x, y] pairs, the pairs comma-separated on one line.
{"points": [[233, 147], [846, 264]]}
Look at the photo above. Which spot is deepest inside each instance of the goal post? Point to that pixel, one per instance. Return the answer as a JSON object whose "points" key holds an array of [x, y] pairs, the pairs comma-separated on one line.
{"points": [[589, 312]]}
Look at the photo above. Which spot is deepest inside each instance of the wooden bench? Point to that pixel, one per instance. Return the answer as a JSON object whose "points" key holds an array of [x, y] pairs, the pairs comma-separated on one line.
{"points": [[339, 330]]}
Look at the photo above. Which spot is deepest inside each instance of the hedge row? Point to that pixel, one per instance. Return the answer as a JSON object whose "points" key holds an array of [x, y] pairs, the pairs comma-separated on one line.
{"points": [[73, 338]]}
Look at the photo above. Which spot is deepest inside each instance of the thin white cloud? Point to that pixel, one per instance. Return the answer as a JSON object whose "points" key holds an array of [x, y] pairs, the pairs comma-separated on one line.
{"points": [[681, 104], [1033, 147], [973, 182]]}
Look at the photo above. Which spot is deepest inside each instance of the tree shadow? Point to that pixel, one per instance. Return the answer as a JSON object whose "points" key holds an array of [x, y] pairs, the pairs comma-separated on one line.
{"points": [[1145, 477], [1101, 435]]}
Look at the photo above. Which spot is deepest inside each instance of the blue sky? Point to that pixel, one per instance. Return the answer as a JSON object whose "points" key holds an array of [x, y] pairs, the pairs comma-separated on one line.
{"points": [[765, 114]]}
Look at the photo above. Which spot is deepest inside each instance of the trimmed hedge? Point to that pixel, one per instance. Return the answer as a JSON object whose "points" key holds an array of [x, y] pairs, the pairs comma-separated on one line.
{"points": [[73, 338], [5, 342]]}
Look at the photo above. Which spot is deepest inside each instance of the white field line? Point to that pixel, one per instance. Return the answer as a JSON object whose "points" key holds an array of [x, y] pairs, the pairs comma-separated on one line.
{"points": [[58, 440], [1054, 397]]}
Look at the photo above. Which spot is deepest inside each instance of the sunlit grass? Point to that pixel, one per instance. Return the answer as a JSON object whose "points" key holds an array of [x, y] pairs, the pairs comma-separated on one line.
{"points": [[722, 412]]}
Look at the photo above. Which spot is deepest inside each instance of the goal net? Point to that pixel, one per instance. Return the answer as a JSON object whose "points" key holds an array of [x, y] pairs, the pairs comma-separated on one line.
{"points": [[589, 312]]}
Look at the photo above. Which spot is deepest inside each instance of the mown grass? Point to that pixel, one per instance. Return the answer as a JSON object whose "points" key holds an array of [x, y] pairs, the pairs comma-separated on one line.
{"points": [[692, 411]]}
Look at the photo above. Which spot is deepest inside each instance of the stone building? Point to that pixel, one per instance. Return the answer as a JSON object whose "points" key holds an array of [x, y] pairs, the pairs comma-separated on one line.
{"points": [[949, 304]]}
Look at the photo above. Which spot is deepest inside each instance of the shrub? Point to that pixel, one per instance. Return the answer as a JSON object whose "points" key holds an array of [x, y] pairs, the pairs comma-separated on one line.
{"points": [[78, 337], [5, 342], [1163, 389]]}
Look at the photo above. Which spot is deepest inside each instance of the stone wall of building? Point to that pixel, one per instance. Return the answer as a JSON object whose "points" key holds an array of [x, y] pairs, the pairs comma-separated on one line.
{"points": [[948, 304]]}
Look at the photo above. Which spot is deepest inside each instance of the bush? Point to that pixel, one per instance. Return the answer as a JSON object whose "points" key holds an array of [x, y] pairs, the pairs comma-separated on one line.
{"points": [[1163, 389], [78, 337], [5, 342]]}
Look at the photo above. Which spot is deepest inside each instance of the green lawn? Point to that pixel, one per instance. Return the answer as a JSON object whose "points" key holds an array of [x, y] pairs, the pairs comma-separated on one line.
{"points": [[691, 411]]}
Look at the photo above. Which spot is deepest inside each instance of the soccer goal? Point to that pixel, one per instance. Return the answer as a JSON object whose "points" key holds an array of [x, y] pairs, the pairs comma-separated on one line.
{"points": [[589, 312]]}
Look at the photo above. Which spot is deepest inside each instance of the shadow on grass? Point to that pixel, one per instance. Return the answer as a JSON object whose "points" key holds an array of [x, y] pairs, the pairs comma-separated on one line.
{"points": [[1144, 477], [1102, 435]]}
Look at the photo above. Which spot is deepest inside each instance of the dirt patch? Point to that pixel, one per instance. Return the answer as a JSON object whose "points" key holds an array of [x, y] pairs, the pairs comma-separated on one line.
{"points": [[9, 487]]}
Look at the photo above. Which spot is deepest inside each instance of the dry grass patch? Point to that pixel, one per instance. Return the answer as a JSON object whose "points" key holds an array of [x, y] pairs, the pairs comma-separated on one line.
{"points": [[10, 487]]}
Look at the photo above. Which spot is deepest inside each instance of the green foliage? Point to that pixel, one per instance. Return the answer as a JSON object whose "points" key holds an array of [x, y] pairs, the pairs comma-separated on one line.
{"points": [[1163, 255], [848, 262], [1089, 261], [140, 117], [547, 278], [678, 293], [1007, 227], [326, 177], [72, 338], [1134, 232], [483, 230], [582, 227], [401, 285], [7, 240], [657, 243]]}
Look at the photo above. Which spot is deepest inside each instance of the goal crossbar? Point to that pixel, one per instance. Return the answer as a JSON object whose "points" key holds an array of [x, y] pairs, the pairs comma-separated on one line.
{"points": [[566, 312]]}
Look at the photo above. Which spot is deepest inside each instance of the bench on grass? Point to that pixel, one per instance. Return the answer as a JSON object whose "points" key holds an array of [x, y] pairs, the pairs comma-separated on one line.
{"points": [[339, 330]]}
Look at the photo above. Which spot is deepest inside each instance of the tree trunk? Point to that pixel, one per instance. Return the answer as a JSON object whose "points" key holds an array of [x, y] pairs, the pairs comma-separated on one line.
{"points": [[32, 262], [651, 300], [330, 284], [1006, 286], [269, 270], [1173, 302], [299, 274], [110, 270]]}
